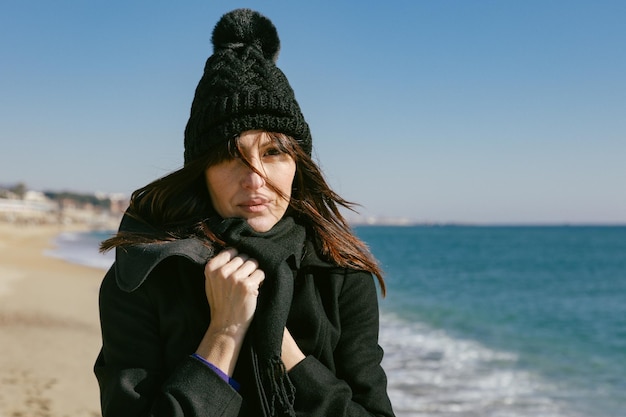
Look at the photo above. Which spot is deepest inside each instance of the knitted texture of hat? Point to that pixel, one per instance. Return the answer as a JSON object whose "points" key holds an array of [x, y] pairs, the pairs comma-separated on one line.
{"points": [[242, 88]]}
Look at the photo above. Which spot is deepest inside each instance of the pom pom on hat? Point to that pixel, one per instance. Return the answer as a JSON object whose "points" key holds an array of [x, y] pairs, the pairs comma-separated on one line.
{"points": [[247, 27], [242, 88]]}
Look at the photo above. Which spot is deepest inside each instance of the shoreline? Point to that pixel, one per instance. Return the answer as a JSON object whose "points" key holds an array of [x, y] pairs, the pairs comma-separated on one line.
{"points": [[49, 326]]}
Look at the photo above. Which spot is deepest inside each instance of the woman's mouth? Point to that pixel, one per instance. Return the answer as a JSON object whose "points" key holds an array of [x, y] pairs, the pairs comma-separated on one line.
{"points": [[254, 206]]}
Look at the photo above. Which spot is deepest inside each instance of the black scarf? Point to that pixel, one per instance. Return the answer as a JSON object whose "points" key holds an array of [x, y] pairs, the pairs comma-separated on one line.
{"points": [[278, 251]]}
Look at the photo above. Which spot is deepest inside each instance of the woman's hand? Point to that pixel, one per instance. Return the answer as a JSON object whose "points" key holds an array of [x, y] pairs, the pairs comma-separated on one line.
{"points": [[232, 283]]}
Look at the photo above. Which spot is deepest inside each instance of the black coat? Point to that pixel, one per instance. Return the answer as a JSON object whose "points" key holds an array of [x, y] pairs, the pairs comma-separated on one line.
{"points": [[154, 312]]}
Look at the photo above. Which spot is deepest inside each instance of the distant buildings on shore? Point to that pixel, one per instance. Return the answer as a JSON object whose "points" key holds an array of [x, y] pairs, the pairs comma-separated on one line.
{"points": [[357, 220], [20, 205]]}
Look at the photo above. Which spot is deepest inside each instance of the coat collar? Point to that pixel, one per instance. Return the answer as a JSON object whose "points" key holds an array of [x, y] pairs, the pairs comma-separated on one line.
{"points": [[134, 263]]}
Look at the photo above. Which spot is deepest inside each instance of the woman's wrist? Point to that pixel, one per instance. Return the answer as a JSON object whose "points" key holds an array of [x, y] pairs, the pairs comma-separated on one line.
{"points": [[221, 348], [291, 354], [218, 371]]}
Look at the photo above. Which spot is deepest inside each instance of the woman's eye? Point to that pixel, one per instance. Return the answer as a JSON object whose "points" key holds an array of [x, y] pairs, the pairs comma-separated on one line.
{"points": [[273, 152]]}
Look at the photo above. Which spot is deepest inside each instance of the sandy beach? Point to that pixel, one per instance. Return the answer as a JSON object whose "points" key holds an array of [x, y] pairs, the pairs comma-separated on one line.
{"points": [[49, 328]]}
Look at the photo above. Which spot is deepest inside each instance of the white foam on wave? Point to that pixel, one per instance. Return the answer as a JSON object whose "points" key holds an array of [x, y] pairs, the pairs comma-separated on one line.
{"points": [[82, 249], [433, 374], [68, 237]]}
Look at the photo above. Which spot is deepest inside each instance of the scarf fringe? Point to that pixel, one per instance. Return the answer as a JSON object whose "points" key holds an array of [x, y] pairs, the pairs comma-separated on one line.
{"points": [[283, 392]]}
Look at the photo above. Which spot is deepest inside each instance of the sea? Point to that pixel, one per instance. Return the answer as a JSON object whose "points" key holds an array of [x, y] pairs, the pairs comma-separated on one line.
{"points": [[490, 321]]}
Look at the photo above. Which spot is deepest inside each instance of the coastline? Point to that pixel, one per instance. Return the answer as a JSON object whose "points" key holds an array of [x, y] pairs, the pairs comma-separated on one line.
{"points": [[49, 327]]}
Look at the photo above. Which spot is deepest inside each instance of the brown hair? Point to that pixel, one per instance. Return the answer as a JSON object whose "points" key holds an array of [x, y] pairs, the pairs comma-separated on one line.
{"points": [[177, 205]]}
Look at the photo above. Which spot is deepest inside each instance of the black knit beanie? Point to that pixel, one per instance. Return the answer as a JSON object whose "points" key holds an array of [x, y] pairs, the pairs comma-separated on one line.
{"points": [[242, 88]]}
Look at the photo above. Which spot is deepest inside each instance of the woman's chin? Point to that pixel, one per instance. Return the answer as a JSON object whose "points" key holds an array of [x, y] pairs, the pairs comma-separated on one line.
{"points": [[263, 223]]}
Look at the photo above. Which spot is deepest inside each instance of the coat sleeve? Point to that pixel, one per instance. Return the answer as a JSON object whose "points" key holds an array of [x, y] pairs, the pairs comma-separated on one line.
{"points": [[130, 367], [358, 387]]}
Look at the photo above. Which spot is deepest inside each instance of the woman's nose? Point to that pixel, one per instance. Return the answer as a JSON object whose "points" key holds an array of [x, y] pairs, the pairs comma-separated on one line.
{"points": [[252, 179]]}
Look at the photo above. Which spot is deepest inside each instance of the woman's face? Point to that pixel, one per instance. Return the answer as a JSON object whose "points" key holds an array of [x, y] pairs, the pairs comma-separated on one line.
{"points": [[238, 191]]}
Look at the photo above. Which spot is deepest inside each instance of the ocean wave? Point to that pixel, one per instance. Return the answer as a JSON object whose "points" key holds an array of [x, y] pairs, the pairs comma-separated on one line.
{"points": [[434, 374], [81, 248]]}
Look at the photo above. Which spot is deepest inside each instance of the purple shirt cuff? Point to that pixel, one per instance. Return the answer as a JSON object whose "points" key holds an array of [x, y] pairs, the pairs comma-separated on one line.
{"points": [[218, 371]]}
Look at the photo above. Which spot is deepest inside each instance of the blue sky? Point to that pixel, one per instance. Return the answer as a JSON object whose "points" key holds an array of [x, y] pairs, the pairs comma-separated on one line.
{"points": [[440, 111]]}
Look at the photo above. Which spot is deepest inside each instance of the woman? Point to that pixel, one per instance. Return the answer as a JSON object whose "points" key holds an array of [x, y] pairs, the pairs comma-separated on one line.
{"points": [[238, 288]]}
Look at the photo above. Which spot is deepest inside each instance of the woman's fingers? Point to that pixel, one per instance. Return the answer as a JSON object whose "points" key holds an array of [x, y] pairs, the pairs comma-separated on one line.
{"points": [[229, 264], [218, 261], [232, 283], [255, 280], [243, 266]]}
